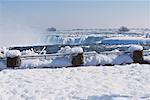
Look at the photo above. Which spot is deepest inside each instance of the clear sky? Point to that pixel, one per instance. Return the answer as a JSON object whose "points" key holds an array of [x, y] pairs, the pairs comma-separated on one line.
{"points": [[74, 14], [22, 20]]}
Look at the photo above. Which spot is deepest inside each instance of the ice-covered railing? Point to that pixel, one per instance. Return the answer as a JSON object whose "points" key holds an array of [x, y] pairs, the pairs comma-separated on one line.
{"points": [[42, 52], [64, 57]]}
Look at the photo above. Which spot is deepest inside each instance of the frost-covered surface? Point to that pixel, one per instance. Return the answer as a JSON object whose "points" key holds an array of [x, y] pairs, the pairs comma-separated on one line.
{"points": [[37, 63], [120, 82], [13, 53]]}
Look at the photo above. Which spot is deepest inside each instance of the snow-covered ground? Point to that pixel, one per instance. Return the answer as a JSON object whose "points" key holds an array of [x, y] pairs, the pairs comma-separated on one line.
{"points": [[120, 82]]}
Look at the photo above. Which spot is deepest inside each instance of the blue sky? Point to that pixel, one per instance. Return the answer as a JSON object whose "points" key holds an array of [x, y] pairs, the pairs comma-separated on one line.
{"points": [[75, 14]]}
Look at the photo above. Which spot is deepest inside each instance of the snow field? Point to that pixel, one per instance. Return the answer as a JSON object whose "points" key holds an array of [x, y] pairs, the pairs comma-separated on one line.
{"points": [[120, 82]]}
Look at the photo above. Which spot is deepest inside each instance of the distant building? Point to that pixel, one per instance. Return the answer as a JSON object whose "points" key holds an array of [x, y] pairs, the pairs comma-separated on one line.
{"points": [[147, 35], [51, 29], [123, 29]]}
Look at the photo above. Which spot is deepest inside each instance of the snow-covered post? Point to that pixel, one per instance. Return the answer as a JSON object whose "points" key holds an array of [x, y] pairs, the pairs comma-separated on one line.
{"points": [[136, 53], [77, 56], [13, 58], [138, 56], [78, 59]]}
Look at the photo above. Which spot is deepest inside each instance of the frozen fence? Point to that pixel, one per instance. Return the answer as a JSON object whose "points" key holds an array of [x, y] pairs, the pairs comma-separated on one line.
{"points": [[71, 57], [48, 56]]}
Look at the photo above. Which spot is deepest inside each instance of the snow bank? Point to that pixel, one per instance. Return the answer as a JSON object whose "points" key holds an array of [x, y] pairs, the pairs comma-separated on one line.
{"points": [[13, 53], [133, 48], [61, 62], [70, 50], [52, 63], [100, 59], [97, 60], [122, 59], [35, 63]]}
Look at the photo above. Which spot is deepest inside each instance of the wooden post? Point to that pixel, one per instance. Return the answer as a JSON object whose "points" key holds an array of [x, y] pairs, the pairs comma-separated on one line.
{"points": [[13, 62], [78, 59], [138, 56]]}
